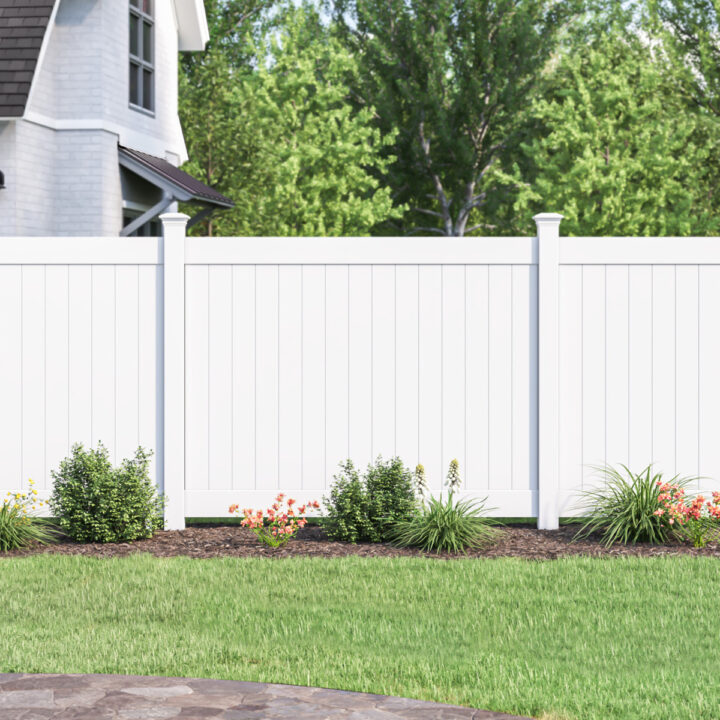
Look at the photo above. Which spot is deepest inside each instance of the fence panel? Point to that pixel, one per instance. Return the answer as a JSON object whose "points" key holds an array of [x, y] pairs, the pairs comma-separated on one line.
{"points": [[343, 358], [79, 358]]}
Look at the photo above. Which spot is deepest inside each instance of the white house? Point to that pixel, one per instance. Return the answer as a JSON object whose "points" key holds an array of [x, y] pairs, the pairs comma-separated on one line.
{"points": [[90, 138]]}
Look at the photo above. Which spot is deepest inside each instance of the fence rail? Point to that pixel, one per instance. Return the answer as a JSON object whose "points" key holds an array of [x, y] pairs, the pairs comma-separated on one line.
{"points": [[251, 365]]}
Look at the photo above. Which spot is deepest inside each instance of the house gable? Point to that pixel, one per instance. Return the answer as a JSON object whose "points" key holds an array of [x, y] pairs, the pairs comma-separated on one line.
{"points": [[23, 26]]}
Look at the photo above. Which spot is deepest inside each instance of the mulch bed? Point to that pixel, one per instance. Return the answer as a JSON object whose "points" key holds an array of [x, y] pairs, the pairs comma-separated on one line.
{"points": [[234, 541]]}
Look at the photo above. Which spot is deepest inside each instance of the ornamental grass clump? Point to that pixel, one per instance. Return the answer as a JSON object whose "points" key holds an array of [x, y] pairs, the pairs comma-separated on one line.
{"points": [[447, 525], [624, 509], [278, 525], [19, 526], [96, 502], [696, 519]]}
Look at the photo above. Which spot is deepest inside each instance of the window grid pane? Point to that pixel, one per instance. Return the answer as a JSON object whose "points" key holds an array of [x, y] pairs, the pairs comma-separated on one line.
{"points": [[141, 54]]}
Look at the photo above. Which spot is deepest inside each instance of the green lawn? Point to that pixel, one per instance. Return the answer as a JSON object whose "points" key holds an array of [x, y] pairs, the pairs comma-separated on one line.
{"points": [[576, 638]]}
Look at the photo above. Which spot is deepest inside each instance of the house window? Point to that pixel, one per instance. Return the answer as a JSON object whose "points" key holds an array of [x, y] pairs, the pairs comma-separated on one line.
{"points": [[142, 68]]}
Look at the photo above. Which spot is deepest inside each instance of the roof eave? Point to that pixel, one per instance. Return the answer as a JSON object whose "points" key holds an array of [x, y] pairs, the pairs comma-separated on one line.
{"points": [[193, 31]]}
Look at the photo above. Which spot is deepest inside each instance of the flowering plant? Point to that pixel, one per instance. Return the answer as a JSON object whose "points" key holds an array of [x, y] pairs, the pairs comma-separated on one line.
{"points": [[18, 525], [693, 519], [277, 525]]}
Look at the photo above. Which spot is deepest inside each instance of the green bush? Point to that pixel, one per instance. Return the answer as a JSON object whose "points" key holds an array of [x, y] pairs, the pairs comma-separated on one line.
{"points": [[19, 527], [95, 502], [390, 496], [346, 517], [364, 509], [445, 526], [623, 509]]}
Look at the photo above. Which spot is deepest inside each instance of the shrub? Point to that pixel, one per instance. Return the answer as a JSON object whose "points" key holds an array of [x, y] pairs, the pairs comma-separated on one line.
{"points": [[19, 527], [346, 518], [390, 496], [94, 502], [625, 509], [445, 526]]}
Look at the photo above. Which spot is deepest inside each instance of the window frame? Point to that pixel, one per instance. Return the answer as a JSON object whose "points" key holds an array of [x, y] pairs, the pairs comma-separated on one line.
{"points": [[137, 63]]}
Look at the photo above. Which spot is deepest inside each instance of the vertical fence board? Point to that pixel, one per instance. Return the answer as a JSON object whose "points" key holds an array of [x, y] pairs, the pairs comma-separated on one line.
{"points": [[430, 373], [11, 378], [337, 368], [709, 377], [383, 361], [266, 378], [478, 376], [406, 365], [313, 378], [197, 353], [127, 361], [640, 363], [571, 385], [103, 357], [220, 377], [500, 363], [453, 367], [360, 365], [56, 370], [80, 355], [290, 376], [687, 390], [616, 358], [33, 374], [244, 375], [593, 369], [663, 369], [150, 336]]}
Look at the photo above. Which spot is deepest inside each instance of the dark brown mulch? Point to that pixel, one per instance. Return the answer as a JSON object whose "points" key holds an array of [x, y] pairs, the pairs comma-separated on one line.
{"points": [[234, 541]]}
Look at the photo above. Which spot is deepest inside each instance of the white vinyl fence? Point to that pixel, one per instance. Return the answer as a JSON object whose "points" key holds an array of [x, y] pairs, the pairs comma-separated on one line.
{"points": [[254, 365]]}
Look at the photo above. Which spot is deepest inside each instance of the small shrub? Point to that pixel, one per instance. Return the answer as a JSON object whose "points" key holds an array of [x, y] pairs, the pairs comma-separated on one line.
{"points": [[19, 527], [390, 496], [346, 518], [447, 526], [625, 509], [94, 502]]}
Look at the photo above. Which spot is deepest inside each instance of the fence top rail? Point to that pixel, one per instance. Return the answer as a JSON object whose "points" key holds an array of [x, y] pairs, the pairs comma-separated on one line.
{"points": [[639, 250], [411, 250], [80, 251]]}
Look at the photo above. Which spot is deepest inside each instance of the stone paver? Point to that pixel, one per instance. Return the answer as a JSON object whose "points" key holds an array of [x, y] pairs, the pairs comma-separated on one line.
{"points": [[120, 697]]}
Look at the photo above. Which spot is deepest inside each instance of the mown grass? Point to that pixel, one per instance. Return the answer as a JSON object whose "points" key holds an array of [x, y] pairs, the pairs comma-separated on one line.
{"points": [[572, 639]]}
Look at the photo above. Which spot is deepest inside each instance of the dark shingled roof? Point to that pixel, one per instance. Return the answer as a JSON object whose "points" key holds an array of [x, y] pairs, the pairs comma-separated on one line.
{"points": [[22, 28], [187, 183]]}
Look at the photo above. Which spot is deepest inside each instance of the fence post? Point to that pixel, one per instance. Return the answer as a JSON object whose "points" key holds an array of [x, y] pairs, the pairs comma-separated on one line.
{"points": [[173, 472], [548, 250]]}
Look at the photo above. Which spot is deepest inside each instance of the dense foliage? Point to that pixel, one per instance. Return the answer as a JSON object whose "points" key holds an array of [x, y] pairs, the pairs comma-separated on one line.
{"points": [[93, 501], [364, 509], [453, 117]]}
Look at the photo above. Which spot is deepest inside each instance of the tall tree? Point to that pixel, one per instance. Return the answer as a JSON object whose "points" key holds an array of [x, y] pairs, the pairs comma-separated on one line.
{"points": [[272, 125], [620, 152], [452, 76]]}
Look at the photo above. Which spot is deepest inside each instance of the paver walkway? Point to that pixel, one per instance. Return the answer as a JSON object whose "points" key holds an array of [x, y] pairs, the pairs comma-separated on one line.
{"points": [[119, 697]]}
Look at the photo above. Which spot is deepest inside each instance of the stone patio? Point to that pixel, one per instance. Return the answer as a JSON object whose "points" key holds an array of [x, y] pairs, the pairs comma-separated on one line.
{"points": [[111, 697]]}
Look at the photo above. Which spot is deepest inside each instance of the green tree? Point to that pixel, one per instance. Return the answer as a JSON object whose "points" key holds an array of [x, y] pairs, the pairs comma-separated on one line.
{"points": [[619, 152], [452, 77], [276, 132]]}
